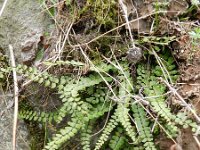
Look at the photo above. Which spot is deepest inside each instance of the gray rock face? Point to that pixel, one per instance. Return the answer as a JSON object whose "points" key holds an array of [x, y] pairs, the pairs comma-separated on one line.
{"points": [[6, 126], [22, 24]]}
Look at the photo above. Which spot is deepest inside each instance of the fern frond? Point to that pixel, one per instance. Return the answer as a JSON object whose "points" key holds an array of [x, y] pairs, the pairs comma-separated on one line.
{"points": [[103, 67], [87, 99], [112, 123], [86, 137], [99, 110], [61, 113], [70, 94], [183, 119], [170, 66], [64, 134], [37, 116], [155, 93], [96, 94], [142, 125], [118, 140], [171, 129], [42, 78], [123, 118], [124, 95]]}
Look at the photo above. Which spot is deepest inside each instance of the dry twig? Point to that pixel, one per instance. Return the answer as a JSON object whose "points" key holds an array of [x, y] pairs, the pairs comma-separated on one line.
{"points": [[124, 10], [3, 7], [15, 95], [182, 100], [187, 106]]}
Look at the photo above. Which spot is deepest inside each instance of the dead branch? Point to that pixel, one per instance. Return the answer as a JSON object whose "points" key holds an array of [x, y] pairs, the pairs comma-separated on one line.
{"points": [[15, 95]]}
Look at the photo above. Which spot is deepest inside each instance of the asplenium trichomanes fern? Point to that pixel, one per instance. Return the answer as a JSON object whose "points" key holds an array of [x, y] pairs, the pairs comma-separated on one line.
{"points": [[121, 113], [88, 99], [142, 125], [154, 90], [82, 109]]}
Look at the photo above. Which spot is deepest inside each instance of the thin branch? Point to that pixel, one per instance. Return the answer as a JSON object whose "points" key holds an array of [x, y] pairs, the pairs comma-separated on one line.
{"points": [[3, 7], [16, 91], [197, 141], [124, 10], [162, 67], [182, 100]]}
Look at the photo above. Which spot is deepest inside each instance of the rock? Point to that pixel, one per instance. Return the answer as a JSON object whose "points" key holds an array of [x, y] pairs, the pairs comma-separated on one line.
{"points": [[6, 126], [22, 24]]}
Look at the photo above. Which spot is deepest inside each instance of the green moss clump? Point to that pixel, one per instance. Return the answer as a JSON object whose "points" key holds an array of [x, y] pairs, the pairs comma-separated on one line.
{"points": [[103, 12]]}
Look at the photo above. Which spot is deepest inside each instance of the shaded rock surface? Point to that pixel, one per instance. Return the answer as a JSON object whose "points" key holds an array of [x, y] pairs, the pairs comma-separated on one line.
{"points": [[22, 25], [6, 126]]}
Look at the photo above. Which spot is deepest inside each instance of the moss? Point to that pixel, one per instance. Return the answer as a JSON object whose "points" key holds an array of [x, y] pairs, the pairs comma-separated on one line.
{"points": [[106, 46], [103, 12]]}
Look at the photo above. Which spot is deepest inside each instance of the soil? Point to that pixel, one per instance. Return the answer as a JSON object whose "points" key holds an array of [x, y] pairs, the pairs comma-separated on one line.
{"points": [[189, 84]]}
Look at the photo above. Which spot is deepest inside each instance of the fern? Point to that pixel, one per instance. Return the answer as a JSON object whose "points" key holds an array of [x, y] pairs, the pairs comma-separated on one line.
{"points": [[87, 99], [155, 93], [65, 134], [123, 116], [107, 131], [70, 96], [56, 116], [142, 125], [86, 137], [118, 140], [122, 108], [182, 119], [73, 102], [41, 78], [36, 116], [69, 91], [103, 67], [170, 130], [170, 66]]}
